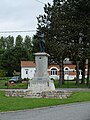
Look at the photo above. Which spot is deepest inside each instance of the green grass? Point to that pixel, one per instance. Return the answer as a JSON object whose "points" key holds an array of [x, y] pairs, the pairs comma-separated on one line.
{"points": [[22, 85], [18, 86], [15, 86], [3, 81], [17, 103], [70, 84]]}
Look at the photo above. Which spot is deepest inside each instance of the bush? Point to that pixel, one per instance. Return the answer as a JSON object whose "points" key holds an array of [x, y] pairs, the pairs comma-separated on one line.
{"points": [[25, 79], [2, 73]]}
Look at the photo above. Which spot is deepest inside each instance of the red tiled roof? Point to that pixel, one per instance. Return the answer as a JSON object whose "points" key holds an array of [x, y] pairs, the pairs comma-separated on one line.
{"points": [[72, 66], [32, 64], [53, 65], [28, 64]]}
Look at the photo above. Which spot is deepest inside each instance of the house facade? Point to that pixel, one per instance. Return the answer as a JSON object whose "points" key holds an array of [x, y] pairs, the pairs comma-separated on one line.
{"points": [[28, 69]]}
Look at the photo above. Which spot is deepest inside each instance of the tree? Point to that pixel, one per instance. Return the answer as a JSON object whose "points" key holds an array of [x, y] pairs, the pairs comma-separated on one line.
{"points": [[64, 21], [27, 44], [53, 24], [11, 59], [9, 42], [11, 55], [7, 62], [82, 8], [19, 41], [19, 54], [2, 48], [2, 43], [35, 44]]}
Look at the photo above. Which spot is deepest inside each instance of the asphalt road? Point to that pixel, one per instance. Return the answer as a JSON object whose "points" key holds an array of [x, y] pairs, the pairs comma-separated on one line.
{"points": [[77, 111]]}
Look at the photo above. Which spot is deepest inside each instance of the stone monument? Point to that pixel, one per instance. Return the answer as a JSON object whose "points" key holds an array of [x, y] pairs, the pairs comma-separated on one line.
{"points": [[41, 81], [41, 86]]}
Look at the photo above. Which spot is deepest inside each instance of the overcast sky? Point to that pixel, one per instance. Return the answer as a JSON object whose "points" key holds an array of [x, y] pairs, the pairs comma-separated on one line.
{"points": [[19, 15]]}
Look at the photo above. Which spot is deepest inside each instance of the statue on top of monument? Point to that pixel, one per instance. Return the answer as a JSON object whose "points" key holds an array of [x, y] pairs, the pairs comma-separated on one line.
{"points": [[81, 35], [41, 41]]}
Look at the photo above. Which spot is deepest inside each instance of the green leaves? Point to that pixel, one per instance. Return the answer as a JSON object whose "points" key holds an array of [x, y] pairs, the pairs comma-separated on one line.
{"points": [[11, 53]]}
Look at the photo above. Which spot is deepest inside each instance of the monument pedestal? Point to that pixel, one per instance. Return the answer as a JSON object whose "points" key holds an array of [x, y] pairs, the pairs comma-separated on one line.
{"points": [[41, 81]]}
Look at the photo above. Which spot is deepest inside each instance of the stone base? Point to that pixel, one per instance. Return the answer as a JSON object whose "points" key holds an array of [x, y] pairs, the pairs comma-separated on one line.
{"points": [[41, 81], [60, 94], [41, 85]]}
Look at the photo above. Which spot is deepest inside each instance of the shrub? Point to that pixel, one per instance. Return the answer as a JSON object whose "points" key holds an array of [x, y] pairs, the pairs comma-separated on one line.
{"points": [[2, 73]]}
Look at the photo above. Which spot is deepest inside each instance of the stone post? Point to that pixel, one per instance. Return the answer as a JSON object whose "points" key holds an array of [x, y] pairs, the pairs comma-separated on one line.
{"points": [[41, 81]]}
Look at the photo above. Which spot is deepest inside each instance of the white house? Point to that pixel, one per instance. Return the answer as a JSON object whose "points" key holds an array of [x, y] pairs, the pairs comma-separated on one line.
{"points": [[28, 69]]}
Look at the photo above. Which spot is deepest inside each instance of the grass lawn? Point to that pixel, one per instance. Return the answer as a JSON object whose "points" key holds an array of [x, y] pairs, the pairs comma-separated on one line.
{"points": [[22, 85], [17, 103], [69, 84]]}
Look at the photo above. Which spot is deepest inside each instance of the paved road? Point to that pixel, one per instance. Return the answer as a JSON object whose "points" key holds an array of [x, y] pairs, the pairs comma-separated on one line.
{"points": [[77, 111]]}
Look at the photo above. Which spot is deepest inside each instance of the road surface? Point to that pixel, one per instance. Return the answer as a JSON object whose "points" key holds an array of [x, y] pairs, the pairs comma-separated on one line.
{"points": [[76, 111]]}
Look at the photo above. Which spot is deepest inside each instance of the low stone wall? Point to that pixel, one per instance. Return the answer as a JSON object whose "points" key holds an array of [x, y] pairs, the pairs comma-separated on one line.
{"points": [[45, 94]]}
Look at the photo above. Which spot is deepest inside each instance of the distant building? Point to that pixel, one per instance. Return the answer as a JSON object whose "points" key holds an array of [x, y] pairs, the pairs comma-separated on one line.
{"points": [[28, 69]]}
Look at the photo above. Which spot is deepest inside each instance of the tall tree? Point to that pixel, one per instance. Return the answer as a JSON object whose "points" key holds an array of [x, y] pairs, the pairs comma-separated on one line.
{"points": [[2, 43], [2, 48], [27, 44], [67, 22], [9, 42], [19, 41], [11, 59], [11, 55], [35, 44], [53, 24]]}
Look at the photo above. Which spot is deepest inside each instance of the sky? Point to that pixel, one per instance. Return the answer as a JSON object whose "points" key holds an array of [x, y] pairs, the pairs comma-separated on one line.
{"points": [[20, 15]]}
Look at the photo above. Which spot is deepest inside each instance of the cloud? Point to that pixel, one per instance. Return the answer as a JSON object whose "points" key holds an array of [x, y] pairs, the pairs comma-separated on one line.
{"points": [[19, 14]]}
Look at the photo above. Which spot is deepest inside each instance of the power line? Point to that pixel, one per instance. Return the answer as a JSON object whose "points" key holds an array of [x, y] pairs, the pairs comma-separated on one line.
{"points": [[40, 2], [17, 31]]}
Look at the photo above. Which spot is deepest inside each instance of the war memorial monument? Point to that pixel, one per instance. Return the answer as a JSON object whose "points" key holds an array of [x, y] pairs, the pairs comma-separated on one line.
{"points": [[41, 86], [41, 80]]}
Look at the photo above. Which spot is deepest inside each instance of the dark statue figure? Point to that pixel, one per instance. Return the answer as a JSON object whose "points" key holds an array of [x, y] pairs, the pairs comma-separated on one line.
{"points": [[41, 42], [81, 35]]}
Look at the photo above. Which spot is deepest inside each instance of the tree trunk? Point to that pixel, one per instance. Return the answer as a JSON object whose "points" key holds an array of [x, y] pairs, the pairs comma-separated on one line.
{"points": [[77, 72], [60, 80], [83, 71], [61, 76], [88, 74], [62, 73]]}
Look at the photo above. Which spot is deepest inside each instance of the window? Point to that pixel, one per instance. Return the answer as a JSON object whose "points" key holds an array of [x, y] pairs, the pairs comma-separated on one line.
{"points": [[66, 70], [53, 71], [26, 71]]}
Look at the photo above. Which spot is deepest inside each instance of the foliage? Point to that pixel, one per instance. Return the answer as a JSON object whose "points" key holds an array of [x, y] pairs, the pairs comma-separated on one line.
{"points": [[66, 25], [2, 73], [11, 54], [35, 46], [28, 46], [9, 42], [19, 40], [12, 58]]}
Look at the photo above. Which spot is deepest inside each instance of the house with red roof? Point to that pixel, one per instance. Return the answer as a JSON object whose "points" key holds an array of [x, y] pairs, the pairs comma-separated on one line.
{"points": [[28, 69]]}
